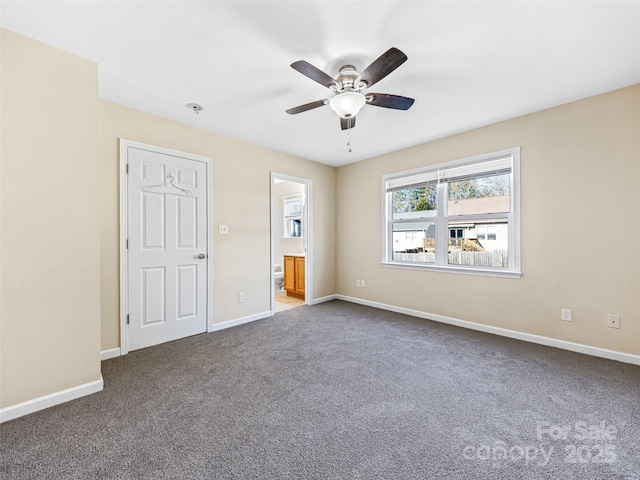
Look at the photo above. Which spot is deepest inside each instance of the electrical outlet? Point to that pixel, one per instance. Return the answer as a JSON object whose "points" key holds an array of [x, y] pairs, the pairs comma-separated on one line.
{"points": [[223, 229], [565, 314], [362, 283], [358, 283], [241, 297], [613, 321]]}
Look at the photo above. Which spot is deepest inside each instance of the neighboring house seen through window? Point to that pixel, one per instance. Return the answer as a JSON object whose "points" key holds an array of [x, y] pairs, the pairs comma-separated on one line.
{"points": [[457, 216]]}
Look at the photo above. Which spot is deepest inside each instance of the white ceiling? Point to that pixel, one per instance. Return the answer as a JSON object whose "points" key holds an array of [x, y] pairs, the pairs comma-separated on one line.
{"points": [[470, 63]]}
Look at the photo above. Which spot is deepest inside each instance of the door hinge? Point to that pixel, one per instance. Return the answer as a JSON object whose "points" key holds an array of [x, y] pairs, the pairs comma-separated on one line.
{"points": [[127, 168], [127, 319], [127, 244]]}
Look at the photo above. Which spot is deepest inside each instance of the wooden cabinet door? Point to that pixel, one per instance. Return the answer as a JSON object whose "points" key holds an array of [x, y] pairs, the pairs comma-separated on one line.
{"points": [[289, 274], [299, 261]]}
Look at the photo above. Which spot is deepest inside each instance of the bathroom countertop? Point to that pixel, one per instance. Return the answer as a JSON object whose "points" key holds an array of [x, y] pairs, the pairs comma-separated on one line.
{"points": [[294, 254]]}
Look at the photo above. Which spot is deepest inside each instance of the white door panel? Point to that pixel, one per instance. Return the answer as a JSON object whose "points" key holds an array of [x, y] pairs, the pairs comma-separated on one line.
{"points": [[167, 236]]}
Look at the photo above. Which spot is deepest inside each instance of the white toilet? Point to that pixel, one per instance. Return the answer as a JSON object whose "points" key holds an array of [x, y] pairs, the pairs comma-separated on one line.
{"points": [[278, 277]]}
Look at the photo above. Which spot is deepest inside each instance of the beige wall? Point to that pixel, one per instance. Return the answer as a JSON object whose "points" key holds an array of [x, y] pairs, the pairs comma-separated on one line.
{"points": [[241, 196], [580, 214], [50, 312]]}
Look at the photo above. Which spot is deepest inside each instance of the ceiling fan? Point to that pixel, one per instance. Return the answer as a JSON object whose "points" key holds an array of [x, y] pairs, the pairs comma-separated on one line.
{"points": [[349, 84]]}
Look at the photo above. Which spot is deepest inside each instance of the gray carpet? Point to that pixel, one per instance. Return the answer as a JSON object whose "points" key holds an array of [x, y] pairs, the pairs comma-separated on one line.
{"points": [[340, 391]]}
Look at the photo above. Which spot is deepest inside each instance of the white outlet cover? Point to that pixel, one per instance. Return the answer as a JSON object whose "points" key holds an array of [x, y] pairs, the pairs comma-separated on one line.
{"points": [[613, 321]]}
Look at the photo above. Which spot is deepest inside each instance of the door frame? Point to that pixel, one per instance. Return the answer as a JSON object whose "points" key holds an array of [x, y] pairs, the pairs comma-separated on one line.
{"points": [[124, 222], [308, 239]]}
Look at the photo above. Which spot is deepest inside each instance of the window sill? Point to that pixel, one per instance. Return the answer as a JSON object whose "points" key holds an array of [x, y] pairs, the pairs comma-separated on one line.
{"points": [[487, 272]]}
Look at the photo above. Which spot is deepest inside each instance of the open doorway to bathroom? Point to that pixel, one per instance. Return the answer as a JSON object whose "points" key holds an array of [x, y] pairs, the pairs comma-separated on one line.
{"points": [[291, 265]]}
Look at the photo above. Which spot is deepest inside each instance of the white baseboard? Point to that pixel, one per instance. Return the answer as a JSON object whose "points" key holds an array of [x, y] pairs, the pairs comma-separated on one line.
{"points": [[115, 352], [527, 337], [238, 321], [40, 403], [111, 353], [328, 298]]}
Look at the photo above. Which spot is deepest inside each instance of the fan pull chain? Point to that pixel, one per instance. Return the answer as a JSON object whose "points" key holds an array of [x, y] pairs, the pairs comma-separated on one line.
{"points": [[349, 140]]}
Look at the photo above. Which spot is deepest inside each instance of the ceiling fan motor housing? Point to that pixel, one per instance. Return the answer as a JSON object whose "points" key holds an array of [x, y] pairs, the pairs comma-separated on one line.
{"points": [[346, 79]]}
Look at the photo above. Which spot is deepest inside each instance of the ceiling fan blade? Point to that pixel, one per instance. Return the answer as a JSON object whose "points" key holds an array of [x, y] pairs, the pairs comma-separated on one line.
{"points": [[314, 73], [307, 106], [389, 101], [382, 66], [347, 123]]}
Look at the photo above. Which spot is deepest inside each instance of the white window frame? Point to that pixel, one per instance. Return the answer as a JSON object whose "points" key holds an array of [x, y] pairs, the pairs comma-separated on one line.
{"points": [[442, 219], [287, 217]]}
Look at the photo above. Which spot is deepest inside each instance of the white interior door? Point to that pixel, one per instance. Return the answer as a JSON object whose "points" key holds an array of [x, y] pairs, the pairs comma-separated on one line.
{"points": [[167, 250]]}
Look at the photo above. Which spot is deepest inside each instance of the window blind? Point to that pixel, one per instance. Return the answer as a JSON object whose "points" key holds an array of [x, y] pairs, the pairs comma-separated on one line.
{"points": [[498, 166], [413, 181]]}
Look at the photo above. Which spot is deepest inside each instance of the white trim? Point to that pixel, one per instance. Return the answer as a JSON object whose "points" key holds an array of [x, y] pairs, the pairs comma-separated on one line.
{"points": [[111, 353], [527, 337], [239, 321], [515, 242], [307, 237], [210, 244], [124, 268], [328, 298], [46, 401], [483, 271]]}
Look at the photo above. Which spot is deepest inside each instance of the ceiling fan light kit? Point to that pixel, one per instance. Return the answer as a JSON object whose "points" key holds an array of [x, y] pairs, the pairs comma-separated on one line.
{"points": [[347, 104], [347, 87]]}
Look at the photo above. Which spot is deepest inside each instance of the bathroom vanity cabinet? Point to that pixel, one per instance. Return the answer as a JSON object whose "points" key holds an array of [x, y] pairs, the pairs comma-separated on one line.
{"points": [[294, 276]]}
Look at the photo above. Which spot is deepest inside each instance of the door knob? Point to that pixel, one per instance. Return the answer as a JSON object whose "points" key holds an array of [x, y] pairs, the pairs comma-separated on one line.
{"points": [[201, 256]]}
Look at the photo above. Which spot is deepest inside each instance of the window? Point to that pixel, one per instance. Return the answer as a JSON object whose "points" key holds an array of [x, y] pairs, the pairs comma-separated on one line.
{"points": [[292, 207], [486, 232], [411, 236], [460, 216]]}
